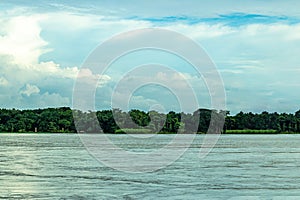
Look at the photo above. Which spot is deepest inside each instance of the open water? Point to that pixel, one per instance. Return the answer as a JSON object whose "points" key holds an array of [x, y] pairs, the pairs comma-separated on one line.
{"points": [[58, 166]]}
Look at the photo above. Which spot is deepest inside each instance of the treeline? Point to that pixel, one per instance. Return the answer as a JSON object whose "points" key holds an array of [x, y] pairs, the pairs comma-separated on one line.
{"points": [[38, 120], [56, 120], [281, 122]]}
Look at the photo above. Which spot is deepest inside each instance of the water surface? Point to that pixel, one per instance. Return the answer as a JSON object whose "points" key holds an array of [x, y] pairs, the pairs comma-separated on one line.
{"points": [[57, 166]]}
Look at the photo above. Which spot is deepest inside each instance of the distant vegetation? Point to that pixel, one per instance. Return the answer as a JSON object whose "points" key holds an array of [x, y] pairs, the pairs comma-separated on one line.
{"points": [[248, 131], [56, 120]]}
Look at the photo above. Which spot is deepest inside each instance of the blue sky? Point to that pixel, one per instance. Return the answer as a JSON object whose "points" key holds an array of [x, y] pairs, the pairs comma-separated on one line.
{"points": [[255, 46]]}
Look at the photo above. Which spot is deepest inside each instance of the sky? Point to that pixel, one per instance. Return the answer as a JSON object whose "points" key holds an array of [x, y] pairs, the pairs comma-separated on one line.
{"points": [[254, 44]]}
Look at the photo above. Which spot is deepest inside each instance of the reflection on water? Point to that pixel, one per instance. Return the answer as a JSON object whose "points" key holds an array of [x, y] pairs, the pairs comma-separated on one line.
{"points": [[239, 167]]}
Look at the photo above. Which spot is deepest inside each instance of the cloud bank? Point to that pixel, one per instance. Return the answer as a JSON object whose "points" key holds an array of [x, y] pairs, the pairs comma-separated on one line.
{"points": [[254, 48]]}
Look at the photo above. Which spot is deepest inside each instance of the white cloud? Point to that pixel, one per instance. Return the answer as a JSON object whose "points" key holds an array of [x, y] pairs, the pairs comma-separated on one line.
{"points": [[249, 57], [141, 102], [3, 81], [30, 89], [88, 77], [172, 90], [100, 27], [21, 47], [51, 100], [52, 69], [20, 39], [203, 30]]}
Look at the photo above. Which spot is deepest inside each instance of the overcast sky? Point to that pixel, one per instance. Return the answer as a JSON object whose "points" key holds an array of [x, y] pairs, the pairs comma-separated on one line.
{"points": [[254, 44]]}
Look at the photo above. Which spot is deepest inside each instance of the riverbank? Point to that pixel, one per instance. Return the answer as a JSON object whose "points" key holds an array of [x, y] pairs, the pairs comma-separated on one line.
{"points": [[66, 120], [231, 132]]}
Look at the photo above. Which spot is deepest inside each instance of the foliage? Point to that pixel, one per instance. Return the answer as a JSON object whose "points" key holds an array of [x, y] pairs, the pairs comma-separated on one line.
{"points": [[55, 120], [133, 131], [251, 131], [39, 120]]}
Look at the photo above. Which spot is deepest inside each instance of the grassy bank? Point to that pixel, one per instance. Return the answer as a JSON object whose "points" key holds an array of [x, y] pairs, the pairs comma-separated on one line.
{"points": [[251, 132]]}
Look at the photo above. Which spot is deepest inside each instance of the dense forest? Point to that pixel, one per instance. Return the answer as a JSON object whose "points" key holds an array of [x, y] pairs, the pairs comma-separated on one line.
{"points": [[58, 120]]}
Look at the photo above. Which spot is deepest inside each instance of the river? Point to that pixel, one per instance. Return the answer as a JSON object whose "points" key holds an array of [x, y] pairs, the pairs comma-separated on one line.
{"points": [[58, 166]]}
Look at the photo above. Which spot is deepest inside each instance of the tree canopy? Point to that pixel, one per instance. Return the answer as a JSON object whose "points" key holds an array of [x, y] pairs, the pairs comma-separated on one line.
{"points": [[56, 120]]}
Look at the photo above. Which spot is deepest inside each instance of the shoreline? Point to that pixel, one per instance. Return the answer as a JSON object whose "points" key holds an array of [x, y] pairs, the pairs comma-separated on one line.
{"points": [[58, 133]]}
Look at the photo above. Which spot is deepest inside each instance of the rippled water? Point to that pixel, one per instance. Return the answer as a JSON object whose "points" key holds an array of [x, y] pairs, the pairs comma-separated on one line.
{"points": [[57, 166]]}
